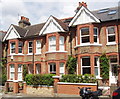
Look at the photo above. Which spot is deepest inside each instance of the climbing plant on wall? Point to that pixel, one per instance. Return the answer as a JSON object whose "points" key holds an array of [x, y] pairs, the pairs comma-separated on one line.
{"points": [[71, 65], [104, 65]]}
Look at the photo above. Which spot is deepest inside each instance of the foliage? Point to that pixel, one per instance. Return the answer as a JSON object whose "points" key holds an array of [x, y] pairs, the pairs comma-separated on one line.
{"points": [[25, 71], [39, 79], [87, 78], [3, 75], [104, 65], [71, 65]]}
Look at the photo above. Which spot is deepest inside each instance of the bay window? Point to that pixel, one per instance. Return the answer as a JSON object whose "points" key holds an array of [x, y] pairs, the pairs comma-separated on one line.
{"points": [[30, 47], [61, 43], [38, 46], [38, 68], [111, 34], [62, 71], [52, 43], [96, 67], [95, 34], [52, 68], [12, 47], [20, 72]]}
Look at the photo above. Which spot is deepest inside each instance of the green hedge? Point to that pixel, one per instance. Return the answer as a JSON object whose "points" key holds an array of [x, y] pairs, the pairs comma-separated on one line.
{"points": [[87, 78], [39, 79]]}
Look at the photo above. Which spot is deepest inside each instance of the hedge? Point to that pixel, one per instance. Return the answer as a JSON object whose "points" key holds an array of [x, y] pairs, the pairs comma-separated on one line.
{"points": [[87, 78], [39, 79]]}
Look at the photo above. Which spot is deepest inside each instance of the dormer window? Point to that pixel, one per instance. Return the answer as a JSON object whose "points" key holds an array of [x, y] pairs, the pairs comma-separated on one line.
{"points": [[12, 47], [85, 36]]}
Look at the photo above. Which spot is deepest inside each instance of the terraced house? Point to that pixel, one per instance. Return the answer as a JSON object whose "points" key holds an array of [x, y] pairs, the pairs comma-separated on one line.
{"points": [[45, 47]]}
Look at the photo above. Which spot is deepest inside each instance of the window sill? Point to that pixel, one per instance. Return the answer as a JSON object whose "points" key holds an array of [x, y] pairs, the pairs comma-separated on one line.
{"points": [[56, 52], [16, 54], [15, 80], [98, 77], [88, 45], [37, 53], [30, 54], [111, 44]]}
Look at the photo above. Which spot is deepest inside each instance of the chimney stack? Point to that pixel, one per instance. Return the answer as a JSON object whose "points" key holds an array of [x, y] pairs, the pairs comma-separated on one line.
{"points": [[24, 22], [80, 5]]}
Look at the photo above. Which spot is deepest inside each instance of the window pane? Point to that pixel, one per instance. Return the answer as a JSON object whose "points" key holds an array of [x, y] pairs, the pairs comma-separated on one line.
{"points": [[95, 31], [84, 31], [19, 67], [111, 38], [20, 44], [111, 30], [87, 70], [13, 47], [85, 61], [85, 39], [30, 44], [30, 50], [52, 43], [95, 38], [96, 71], [95, 61], [38, 68], [19, 50]]}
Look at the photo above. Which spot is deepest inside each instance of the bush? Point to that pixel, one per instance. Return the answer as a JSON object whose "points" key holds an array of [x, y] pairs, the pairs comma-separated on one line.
{"points": [[87, 78], [38, 79]]}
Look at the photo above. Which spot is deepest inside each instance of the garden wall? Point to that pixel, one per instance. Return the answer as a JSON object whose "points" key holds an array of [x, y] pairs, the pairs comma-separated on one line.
{"points": [[40, 90], [72, 88]]}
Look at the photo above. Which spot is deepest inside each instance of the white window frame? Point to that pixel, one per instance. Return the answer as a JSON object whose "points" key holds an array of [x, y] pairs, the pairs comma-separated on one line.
{"points": [[12, 48], [84, 36], [52, 43], [98, 66], [12, 71], [61, 43], [20, 47], [29, 68], [38, 47], [30, 47], [62, 67], [96, 35], [114, 42], [53, 70], [84, 66], [20, 71]]}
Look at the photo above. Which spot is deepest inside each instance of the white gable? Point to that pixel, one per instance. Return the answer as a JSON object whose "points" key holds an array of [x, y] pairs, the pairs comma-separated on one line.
{"points": [[83, 16], [51, 26], [11, 34]]}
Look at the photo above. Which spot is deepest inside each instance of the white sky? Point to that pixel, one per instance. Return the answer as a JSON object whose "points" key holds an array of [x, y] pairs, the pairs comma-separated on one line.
{"points": [[38, 11]]}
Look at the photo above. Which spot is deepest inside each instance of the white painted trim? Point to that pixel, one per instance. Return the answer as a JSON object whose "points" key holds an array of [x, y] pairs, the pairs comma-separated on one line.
{"points": [[38, 53], [79, 12], [56, 52], [112, 43], [29, 54], [68, 83], [55, 76], [95, 44], [47, 23], [8, 32], [15, 80]]}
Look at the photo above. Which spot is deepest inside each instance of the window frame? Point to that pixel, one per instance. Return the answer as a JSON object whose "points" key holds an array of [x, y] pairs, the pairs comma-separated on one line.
{"points": [[53, 69], [62, 45], [84, 36], [85, 66], [30, 47], [12, 48], [62, 67], [12, 72], [20, 47], [52, 47], [20, 71], [96, 35], [38, 47], [113, 42], [97, 66]]}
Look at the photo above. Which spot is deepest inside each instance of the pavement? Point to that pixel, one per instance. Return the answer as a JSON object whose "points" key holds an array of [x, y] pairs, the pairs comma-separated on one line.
{"points": [[26, 96]]}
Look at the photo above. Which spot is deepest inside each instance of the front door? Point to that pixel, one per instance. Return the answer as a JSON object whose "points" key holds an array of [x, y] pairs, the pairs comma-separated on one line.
{"points": [[113, 74]]}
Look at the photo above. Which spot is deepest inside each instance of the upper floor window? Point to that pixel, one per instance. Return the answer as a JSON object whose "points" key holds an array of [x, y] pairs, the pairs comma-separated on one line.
{"points": [[20, 47], [111, 34], [38, 46], [85, 36], [61, 42], [95, 34], [30, 47], [52, 43], [12, 47]]}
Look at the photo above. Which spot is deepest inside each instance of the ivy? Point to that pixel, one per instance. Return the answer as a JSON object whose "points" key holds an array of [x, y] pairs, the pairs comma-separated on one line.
{"points": [[104, 65], [71, 65], [25, 71]]}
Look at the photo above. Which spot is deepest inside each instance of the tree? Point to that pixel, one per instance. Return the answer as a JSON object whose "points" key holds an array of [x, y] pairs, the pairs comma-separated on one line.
{"points": [[71, 65]]}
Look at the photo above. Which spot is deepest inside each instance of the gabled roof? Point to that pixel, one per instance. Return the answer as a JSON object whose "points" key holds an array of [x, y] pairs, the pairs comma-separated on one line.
{"points": [[57, 24], [83, 16]]}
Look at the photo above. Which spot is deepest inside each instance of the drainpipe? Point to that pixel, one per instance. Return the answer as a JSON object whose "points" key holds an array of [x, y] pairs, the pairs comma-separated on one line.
{"points": [[33, 59]]}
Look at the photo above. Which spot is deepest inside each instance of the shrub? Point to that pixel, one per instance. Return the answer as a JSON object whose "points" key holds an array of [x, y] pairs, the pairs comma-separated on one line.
{"points": [[87, 78], [38, 79]]}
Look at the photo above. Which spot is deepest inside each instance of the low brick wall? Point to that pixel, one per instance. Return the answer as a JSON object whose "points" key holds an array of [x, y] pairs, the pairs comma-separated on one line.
{"points": [[40, 90], [72, 88]]}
